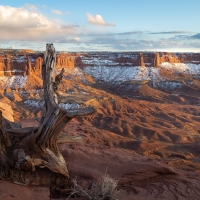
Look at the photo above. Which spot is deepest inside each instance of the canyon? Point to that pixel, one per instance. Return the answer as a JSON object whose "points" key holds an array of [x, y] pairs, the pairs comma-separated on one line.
{"points": [[26, 62], [145, 131]]}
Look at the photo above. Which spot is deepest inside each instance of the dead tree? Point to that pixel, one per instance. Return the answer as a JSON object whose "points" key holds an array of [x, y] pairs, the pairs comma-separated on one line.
{"points": [[31, 155]]}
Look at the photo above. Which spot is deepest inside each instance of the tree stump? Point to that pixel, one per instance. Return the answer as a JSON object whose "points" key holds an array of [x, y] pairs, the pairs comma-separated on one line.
{"points": [[31, 155]]}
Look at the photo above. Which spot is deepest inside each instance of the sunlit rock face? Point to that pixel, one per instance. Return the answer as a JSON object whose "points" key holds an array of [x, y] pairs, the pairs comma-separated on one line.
{"points": [[64, 61], [26, 63], [20, 64]]}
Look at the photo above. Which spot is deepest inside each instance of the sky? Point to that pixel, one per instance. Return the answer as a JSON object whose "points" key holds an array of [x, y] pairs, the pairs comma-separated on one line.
{"points": [[101, 25]]}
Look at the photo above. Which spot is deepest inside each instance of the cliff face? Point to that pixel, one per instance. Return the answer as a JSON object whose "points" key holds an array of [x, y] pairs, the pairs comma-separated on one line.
{"points": [[147, 59], [155, 59], [139, 61], [189, 58], [64, 61], [25, 64], [22, 64]]}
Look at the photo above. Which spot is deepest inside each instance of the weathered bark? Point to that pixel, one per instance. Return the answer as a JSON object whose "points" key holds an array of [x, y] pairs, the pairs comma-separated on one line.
{"points": [[24, 152]]}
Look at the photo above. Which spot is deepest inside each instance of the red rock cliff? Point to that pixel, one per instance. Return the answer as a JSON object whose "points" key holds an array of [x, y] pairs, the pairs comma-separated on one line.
{"points": [[25, 64], [148, 59], [155, 59], [65, 61]]}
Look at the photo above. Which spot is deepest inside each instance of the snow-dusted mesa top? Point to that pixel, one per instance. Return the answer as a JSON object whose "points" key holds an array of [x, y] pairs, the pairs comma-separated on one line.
{"points": [[121, 73], [188, 68], [118, 73]]}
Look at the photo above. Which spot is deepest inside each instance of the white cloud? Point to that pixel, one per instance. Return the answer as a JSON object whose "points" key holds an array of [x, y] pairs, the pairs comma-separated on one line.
{"points": [[31, 7], [77, 39], [20, 17], [22, 24], [97, 20], [56, 12]]}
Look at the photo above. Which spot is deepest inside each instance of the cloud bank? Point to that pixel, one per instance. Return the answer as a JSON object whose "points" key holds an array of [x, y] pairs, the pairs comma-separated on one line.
{"points": [[97, 20], [26, 26], [23, 24]]}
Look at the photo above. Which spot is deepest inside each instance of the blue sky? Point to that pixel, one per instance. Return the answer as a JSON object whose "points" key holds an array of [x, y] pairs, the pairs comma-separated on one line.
{"points": [[101, 25]]}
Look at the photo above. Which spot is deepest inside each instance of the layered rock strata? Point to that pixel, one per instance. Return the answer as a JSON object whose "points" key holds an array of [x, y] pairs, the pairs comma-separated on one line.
{"points": [[30, 63], [145, 59]]}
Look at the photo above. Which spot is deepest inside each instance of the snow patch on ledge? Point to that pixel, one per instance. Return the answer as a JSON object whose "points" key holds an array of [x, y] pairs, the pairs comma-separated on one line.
{"points": [[34, 104], [40, 104], [117, 73], [69, 106], [13, 81], [125, 73], [188, 68]]}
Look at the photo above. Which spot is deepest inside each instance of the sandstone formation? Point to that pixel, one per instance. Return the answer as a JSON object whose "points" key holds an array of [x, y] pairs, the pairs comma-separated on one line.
{"points": [[23, 69], [26, 63], [64, 61], [140, 60], [148, 59], [155, 59], [30, 63]]}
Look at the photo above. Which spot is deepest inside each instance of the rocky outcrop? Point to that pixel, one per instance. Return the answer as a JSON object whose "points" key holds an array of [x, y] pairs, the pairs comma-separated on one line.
{"points": [[79, 62], [25, 63], [148, 59], [139, 61], [20, 64], [30, 63], [164, 57], [64, 61], [155, 59]]}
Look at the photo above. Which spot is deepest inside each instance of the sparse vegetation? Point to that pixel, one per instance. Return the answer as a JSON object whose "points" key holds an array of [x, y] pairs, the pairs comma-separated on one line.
{"points": [[103, 189]]}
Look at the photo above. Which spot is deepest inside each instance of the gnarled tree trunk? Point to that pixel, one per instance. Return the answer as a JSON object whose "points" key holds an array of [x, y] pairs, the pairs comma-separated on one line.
{"points": [[31, 155]]}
